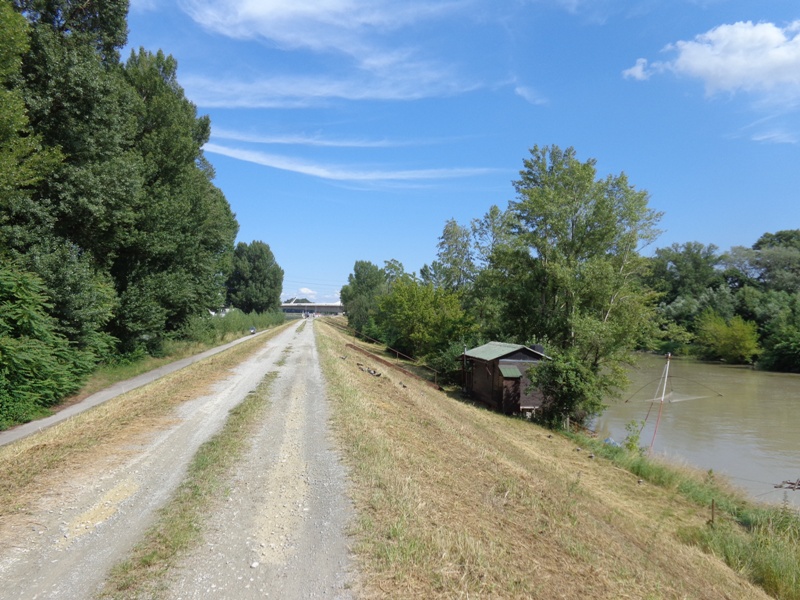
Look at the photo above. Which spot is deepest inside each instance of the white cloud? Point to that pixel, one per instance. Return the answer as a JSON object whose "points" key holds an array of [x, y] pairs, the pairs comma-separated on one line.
{"points": [[303, 91], [775, 136], [320, 25], [758, 58], [302, 140], [320, 141], [638, 71], [339, 173], [530, 95], [373, 36], [308, 293]]}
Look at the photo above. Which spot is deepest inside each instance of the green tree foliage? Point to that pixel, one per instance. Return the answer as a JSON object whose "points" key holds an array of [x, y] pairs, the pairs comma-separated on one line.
{"points": [[787, 238], [777, 314], [489, 233], [80, 104], [82, 298], [37, 365], [434, 274], [394, 271], [23, 160], [100, 24], [455, 255], [419, 319], [685, 270], [256, 281], [734, 341], [173, 262], [360, 295], [582, 237], [570, 388], [106, 200], [573, 280]]}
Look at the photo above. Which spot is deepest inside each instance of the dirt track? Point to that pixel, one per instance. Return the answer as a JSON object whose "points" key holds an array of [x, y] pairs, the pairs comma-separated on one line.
{"points": [[279, 534]]}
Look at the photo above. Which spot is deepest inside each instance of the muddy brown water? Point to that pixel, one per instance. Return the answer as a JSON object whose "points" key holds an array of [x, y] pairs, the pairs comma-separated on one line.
{"points": [[734, 420]]}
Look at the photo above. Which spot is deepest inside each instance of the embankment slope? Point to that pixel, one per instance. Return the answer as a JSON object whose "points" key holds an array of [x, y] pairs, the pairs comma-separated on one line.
{"points": [[457, 501]]}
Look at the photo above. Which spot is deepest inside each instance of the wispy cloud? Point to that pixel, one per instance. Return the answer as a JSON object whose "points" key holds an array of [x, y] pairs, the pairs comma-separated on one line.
{"points": [[303, 140], [348, 26], [530, 95], [311, 90], [341, 173], [776, 128], [320, 141], [762, 59], [775, 136], [371, 41]]}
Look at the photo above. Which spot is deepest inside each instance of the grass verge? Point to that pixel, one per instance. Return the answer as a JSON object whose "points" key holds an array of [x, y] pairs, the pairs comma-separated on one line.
{"points": [[177, 528], [762, 542], [457, 501]]}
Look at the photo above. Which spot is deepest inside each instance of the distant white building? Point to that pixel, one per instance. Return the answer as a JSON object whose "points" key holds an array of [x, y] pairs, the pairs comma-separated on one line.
{"points": [[312, 308]]}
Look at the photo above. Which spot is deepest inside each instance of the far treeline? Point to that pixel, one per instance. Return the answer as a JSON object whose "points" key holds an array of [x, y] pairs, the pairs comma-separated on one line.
{"points": [[113, 238], [563, 267]]}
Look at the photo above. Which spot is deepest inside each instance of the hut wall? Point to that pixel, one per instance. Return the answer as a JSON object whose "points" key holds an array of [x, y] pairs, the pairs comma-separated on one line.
{"points": [[483, 382], [528, 397]]}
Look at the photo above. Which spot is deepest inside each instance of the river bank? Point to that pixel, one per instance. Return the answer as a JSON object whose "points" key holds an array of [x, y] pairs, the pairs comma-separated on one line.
{"points": [[732, 420]]}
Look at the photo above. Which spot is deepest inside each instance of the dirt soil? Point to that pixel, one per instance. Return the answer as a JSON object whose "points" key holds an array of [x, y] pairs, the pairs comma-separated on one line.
{"points": [[280, 533]]}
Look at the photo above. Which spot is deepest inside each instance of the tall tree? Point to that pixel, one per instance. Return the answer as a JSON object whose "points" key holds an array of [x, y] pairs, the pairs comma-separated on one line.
{"points": [[176, 255], [786, 238], [491, 232], [685, 270], [456, 256], [394, 271], [23, 160], [82, 105], [360, 295], [584, 235], [102, 23], [433, 274], [256, 281], [582, 269]]}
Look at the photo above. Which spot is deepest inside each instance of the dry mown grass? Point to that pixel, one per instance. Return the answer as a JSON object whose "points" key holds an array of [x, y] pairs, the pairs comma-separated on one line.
{"points": [[38, 464], [457, 501]]}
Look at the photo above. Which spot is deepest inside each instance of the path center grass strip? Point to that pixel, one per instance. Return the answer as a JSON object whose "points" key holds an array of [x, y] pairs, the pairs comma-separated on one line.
{"points": [[178, 526]]}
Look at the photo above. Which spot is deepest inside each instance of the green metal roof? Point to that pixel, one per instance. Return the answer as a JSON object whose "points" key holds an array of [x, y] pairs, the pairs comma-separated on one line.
{"points": [[492, 351], [510, 371]]}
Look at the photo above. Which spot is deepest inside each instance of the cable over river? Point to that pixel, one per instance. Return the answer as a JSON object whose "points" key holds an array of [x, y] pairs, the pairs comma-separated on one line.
{"points": [[734, 420]]}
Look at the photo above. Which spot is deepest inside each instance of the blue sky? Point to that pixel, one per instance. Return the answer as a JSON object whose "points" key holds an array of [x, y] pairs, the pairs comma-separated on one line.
{"points": [[347, 130]]}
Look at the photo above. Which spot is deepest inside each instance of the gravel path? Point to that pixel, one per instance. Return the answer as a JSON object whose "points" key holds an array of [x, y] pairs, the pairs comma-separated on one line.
{"points": [[281, 533]]}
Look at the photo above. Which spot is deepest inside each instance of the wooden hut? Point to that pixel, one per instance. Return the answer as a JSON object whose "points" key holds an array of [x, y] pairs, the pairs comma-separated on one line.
{"points": [[497, 374]]}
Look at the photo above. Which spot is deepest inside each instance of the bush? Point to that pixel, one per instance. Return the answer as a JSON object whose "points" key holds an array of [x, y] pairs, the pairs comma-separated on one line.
{"points": [[569, 388], [214, 329], [734, 341], [38, 366]]}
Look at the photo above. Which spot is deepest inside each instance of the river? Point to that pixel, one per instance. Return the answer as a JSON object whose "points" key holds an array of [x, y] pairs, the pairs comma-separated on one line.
{"points": [[735, 420]]}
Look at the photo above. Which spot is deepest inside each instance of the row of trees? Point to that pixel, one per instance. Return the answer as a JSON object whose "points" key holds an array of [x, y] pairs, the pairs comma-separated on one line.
{"points": [[562, 266], [739, 306], [112, 234]]}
